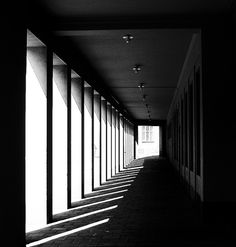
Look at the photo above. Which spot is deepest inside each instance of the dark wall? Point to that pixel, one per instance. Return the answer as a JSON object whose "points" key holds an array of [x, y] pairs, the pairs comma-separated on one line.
{"points": [[13, 65], [218, 35], [162, 136], [219, 110], [184, 122]]}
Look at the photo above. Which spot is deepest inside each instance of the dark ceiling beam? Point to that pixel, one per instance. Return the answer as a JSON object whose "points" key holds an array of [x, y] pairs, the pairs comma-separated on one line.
{"points": [[70, 27], [152, 122]]}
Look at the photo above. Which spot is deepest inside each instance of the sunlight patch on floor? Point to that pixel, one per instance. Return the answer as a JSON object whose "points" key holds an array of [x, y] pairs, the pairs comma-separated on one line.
{"points": [[45, 240]]}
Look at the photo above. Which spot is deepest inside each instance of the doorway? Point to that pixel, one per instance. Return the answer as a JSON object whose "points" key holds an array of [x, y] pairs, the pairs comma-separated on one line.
{"points": [[148, 141]]}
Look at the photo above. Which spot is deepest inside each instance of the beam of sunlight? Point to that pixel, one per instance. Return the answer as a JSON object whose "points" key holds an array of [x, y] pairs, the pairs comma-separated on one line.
{"points": [[95, 203], [107, 194], [128, 181], [81, 216], [119, 179], [134, 168], [113, 188], [128, 176], [128, 173], [125, 175], [67, 233]]}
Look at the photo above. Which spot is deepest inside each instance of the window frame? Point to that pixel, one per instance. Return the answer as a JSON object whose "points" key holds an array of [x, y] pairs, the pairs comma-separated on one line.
{"points": [[147, 130]]}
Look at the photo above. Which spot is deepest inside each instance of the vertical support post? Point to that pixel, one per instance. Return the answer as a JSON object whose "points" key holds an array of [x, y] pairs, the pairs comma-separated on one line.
{"points": [[135, 139], [92, 142], [118, 118], [49, 135], [106, 143], [100, 141], [161, 140], [82, 140], [124, 142], [68, 137], [115, 154], [106, 136], [111, 143], [13, 131]]}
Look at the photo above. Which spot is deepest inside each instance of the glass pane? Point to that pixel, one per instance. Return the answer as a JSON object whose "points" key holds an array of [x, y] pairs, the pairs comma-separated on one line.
{"points": [[147, 136], [143, 134], [151, 133]]}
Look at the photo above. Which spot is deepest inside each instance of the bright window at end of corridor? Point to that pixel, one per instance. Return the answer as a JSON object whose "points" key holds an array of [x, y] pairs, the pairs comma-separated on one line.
{"points": [[148, 141], [147, 134]]}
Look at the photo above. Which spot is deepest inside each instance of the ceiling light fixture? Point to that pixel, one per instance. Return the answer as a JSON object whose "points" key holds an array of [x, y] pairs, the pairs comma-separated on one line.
{"points": [[141, 86], [137, 68], [127, 38]]}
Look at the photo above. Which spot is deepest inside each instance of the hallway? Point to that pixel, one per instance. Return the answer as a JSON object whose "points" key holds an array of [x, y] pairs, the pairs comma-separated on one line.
{"points": [[154, 210], [79, 78]]}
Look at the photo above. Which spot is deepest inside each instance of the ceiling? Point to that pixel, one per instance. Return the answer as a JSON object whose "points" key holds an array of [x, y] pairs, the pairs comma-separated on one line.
{"points": [[95, 29], [93, 9]]}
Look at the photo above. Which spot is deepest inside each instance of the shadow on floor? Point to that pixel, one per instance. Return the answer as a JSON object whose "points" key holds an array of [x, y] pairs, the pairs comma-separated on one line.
{"points": [[153, 210]]}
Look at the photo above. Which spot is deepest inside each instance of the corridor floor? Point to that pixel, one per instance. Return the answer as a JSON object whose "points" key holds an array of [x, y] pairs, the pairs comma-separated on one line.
{"points": [[145, 205]]}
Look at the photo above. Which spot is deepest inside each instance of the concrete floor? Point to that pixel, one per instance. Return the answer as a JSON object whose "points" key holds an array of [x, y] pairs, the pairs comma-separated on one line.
{"points": [[151, 210]]}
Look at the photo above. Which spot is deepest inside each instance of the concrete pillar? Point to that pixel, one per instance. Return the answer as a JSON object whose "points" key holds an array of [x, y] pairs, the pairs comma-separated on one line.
{"points": [[103, 140], [13, 65], [162, 140], [113, 127], [135, 139], [88, 138]]}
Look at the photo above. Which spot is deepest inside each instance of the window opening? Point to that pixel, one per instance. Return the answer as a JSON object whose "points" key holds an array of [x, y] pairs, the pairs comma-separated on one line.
{"points": [[59, 133], [36, 134], [76, 137], [148, 141]]}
